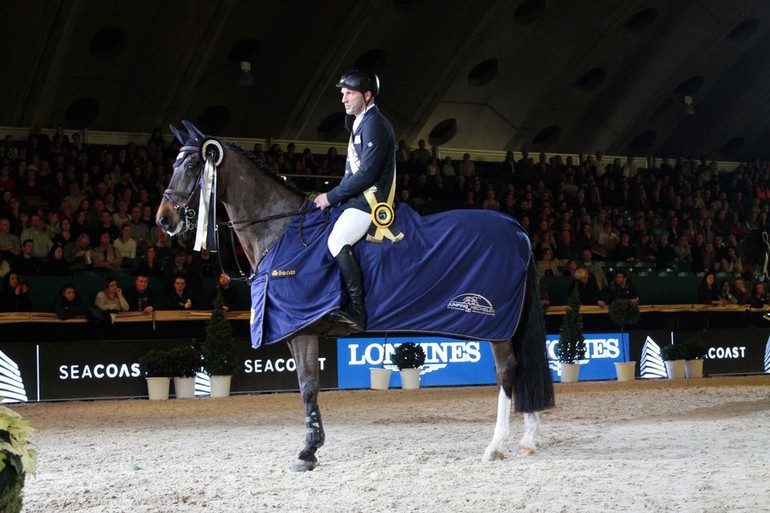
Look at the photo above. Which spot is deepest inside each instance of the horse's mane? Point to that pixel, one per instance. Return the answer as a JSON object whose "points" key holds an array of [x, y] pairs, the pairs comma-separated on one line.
{"points": [[263, 168]]}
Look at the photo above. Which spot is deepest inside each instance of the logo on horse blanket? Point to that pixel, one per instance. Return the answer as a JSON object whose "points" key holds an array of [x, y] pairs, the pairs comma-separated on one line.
{"points": [[459, 273]]}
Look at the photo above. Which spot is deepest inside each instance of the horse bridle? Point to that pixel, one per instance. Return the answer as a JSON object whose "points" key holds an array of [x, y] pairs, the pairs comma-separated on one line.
{"points": [[188, 214], [185, 212]]}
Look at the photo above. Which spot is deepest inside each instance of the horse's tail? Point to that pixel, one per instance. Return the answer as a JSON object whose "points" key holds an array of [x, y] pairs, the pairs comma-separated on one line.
{"points": [[533, 387]]}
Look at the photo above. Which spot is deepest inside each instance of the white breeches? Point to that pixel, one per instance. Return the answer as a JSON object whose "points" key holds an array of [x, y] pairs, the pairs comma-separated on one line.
{"points": [[350, 227]]}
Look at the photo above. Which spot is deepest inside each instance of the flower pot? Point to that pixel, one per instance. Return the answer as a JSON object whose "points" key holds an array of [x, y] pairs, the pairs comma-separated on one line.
{"points": [[410, 379], [625, 371], [184, 388], [569, 372], [674, 369], [693, 368], [220, 386], [380, 378], [157, 388]]}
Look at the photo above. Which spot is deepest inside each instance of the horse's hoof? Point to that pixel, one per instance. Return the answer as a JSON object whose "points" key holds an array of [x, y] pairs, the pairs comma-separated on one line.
{"points": [[303, 466], [527, 451], [493, 455]]}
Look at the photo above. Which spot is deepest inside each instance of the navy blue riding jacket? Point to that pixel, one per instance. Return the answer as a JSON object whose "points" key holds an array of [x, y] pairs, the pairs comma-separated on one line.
{"points": [[372, 163]]}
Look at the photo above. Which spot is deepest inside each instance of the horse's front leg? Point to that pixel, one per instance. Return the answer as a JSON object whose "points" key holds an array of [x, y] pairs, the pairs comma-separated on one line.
{"points": [[304, 349]]}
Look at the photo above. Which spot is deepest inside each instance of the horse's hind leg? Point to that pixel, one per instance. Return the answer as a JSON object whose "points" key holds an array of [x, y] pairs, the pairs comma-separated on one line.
{"points": [[304, 349], [494, 450], [527, 443], [505, 366]]}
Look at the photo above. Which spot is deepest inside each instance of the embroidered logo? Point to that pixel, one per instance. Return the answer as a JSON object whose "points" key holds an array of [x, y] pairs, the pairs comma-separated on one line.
{"points": [[279, 272], [472, 303]]}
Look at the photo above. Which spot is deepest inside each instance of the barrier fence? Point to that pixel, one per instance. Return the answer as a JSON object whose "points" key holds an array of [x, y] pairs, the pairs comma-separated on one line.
{"points": [[45, 359]]}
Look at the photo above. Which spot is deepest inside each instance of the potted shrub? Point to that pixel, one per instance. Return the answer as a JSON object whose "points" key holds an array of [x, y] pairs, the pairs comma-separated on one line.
{"points": [[186, 362], [571, 346], [217, 349], [673, 356], [158, 370], [624, 312], [409, 357], [694, 354], [17, 459]]}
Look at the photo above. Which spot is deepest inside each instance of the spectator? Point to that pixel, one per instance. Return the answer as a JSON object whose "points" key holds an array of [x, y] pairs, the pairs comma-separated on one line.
{"points": [[150, 264], [682, 254], [726, 293], [140, 232], [547, 266], [759, 295], [588, 291], [180, 298], [110, 299], [27, 264], [730, 263], [105, 224], [5, 267], [708, 292], [140, 298], [622, 288], [741, 292], [596, 271], [14, 296], [126, 244], [105, 256], [230, 296], [10, 245], [68, 303], [39, 235], [466, 167], [664, 253], [55, 264], [626, 250], [79, 254], [65, 234]]}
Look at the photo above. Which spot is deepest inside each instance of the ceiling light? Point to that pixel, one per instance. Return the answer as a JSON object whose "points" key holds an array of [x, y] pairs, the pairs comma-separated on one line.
{"points": [[244, 77], [689, 108]]}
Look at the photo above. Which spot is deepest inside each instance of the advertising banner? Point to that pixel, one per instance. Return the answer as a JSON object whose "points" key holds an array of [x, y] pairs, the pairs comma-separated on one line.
{"points": [[448, 361], [602, 351]]}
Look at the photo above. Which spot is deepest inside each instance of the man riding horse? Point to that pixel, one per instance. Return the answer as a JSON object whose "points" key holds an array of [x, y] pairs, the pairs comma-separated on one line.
{"points": [[368, 182]]}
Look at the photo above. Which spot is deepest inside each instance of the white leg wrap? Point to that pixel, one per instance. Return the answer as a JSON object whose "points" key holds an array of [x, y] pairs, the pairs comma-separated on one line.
{"points": [[494, 450], [527, 443]]}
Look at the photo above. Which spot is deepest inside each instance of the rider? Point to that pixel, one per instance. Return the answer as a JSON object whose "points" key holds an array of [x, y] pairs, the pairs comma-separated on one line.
{"points": [[369, 172]]}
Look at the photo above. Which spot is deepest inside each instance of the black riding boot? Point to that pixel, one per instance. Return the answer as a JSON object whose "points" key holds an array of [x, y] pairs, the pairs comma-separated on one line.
{"points": [[354, 314]]}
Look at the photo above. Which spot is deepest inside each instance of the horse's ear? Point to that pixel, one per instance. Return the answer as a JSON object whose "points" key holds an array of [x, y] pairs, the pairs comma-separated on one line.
{"points": [[193, 131], [180, 136]]}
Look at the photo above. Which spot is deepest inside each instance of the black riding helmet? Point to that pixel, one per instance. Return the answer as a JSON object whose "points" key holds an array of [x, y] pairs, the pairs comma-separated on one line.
{"points": [[361, 80]]}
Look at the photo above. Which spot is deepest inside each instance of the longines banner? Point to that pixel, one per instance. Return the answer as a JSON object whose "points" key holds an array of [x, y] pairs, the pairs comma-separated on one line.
{"points": [[59, 370]]}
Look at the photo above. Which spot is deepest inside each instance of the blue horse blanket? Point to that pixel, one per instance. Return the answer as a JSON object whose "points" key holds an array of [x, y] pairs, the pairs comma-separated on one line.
{"points": [[458, 273]]}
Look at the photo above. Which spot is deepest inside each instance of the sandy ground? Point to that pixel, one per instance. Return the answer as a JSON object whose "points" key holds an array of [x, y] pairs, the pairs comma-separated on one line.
{"points": [[663, 445]]}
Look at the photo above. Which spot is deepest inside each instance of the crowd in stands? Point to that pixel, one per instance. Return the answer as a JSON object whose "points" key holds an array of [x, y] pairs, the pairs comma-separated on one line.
{"points": [[68, 207], [612, 219]]}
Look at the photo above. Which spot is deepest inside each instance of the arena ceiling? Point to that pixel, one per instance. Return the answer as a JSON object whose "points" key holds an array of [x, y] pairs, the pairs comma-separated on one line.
{"points": [[647, 77]]}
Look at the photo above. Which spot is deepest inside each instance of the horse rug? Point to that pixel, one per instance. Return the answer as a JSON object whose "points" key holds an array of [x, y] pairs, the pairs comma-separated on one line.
{"points": [[457, 273]]}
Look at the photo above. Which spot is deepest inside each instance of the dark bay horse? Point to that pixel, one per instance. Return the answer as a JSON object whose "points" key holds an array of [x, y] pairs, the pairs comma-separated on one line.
{"points": [[261, 206]]}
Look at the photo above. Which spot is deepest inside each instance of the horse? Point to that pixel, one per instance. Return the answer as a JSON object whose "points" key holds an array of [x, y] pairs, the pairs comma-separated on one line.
{"points": [[260, 206]]}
